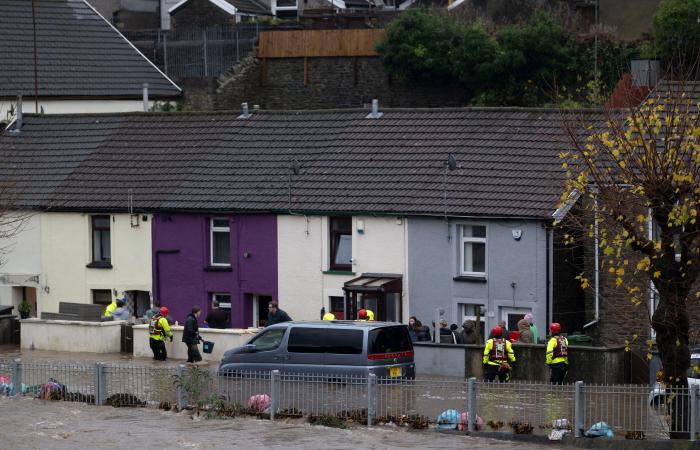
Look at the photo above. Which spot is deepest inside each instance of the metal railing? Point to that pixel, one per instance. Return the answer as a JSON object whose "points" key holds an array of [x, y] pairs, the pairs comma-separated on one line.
{"points": [[196, 52], [629, 411]]}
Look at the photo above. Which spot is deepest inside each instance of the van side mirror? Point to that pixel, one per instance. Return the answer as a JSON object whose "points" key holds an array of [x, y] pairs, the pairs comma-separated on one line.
{"points": [[248, 348]]}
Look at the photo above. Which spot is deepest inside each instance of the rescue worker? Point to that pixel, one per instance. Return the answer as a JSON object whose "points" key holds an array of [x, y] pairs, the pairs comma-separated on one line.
{"points": [[329, 316], [158, 331], [365, 314], [498, 357], [557, 354], [110, 308]]}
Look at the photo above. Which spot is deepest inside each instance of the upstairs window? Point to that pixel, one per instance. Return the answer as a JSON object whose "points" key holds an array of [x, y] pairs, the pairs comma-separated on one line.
{"points": [[341, 243], [101, 249], [473, 250], [220, 242]]}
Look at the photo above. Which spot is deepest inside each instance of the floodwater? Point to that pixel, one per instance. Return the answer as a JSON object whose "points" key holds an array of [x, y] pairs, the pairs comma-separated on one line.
{"points": [[30, 424]]}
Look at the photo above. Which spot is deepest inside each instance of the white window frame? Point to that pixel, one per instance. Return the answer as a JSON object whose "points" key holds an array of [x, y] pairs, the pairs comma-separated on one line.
{"points": [[463, 240], [212, 230], [463, 308], [225, 305]]}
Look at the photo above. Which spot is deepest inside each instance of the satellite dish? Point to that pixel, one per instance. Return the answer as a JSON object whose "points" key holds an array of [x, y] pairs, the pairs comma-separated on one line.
{"points": [[451, 162]]}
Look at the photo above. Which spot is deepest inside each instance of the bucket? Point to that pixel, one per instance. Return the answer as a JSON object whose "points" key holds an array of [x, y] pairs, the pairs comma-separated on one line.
{"points": [[207, 346]]}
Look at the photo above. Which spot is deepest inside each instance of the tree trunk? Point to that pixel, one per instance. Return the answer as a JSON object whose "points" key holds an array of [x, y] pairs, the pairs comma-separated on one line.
{"points": [[670, 321]]}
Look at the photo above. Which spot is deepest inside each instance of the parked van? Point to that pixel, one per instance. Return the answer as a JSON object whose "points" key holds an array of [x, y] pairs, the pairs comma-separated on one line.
{"points": [[327, 347]]}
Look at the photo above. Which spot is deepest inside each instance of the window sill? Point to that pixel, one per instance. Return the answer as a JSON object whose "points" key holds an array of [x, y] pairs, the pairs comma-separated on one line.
{"points": [[218, 269], [99, 265], [338, 272], [478, 278]]}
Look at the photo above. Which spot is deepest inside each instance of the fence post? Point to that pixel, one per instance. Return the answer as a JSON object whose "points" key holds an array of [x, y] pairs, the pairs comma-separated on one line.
{"points": [[578, 405], [694, 400], [165, 53], [204, 46], [100, 384], [371, 398], [181, 400], [238, 51], [471, 404], [274, 393], [17, 378]]}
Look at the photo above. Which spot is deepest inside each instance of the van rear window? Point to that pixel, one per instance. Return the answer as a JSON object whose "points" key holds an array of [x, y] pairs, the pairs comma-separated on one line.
{"points": [[389, 340], [344, 342]]}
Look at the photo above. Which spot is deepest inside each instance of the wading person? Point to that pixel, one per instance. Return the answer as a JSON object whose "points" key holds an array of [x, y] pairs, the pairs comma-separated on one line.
{"points": [[498, 357], [276, 315], [557, 354], [158, 331], [190, 335]]}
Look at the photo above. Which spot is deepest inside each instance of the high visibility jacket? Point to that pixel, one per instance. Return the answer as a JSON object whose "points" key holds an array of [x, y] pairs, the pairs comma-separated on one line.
{"points": [[111, 308], [498, 351], [370, 314], [558, 350], [158, 328]]}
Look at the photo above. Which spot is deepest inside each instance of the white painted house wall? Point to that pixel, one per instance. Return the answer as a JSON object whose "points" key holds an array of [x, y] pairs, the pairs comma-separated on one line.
{"points": [[72, 106], [66, 247], [21, 258], [303, 256]]}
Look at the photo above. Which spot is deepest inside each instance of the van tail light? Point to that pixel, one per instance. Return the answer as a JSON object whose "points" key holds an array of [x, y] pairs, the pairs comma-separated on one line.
{"points": [[377, 356]]}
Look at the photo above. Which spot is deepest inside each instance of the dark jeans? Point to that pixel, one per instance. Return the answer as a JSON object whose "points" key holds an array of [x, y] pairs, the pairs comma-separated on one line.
{"points": [[491, 372], [158, 348], [193, 354], [557, 372]]}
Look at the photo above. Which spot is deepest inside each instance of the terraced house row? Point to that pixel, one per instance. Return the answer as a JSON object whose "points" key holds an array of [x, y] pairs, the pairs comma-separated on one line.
{"points": [[401, 211]]}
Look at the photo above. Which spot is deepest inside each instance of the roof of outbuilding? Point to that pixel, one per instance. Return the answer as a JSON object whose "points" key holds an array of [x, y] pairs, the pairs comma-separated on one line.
{"points": [[79, 54], [254, 7], [508, 161]]}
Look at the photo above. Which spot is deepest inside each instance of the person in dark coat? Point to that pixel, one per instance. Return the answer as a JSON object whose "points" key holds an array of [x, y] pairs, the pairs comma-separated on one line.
{"points": [[422, 332], [217, 317], [468, 333], [276, 315], [190, 335]]}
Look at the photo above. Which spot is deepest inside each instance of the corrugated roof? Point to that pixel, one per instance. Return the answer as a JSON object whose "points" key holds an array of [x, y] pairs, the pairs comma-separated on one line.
{"points": [[79, 54], [508, 158]]}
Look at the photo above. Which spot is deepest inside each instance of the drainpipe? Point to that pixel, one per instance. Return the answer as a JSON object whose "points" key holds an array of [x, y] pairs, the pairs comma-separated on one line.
{"points": [[596, 263]]}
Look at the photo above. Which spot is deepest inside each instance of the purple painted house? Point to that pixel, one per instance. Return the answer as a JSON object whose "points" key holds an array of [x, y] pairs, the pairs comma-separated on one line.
{"points": [[229, 258]]}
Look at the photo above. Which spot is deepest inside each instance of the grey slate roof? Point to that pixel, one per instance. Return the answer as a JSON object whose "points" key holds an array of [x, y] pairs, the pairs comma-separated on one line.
{"points": [[219, 162], [79, 54], [251, 7]]}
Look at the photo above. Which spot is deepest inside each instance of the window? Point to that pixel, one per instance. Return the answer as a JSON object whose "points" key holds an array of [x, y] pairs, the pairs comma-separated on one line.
{"points": [[389, 340], [220, 242], [512, 316], [101, 251], [341, 243], [473, 312], [344, 342], [269, 340], [306, 340], [337, 306], [101, 297], [473, 250], [224, 300]]}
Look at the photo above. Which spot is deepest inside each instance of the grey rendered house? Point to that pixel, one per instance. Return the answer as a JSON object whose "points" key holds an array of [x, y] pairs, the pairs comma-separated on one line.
{"points": [[490, 257]]}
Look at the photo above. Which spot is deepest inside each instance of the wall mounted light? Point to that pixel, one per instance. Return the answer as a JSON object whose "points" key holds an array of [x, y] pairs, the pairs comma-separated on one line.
{"points": [[360, 226]]}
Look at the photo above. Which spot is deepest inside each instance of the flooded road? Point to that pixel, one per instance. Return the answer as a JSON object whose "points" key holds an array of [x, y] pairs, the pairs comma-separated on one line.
{"points": [[30, 424]]}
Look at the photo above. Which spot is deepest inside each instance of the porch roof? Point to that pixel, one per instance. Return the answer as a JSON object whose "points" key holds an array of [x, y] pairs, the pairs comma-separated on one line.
{"points": [[375, 282]]}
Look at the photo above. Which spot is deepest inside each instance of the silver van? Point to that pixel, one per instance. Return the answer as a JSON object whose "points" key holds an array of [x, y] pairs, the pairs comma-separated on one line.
{"points": [[339, 347]]}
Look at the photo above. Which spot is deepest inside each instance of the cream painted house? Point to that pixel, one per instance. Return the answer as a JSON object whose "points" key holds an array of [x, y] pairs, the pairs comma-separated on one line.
{"points": [[309, 248], [81, 258]]}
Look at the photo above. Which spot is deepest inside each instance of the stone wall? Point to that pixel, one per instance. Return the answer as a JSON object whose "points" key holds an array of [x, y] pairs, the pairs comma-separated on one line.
{"points": [[338, 82], [587, 364]]}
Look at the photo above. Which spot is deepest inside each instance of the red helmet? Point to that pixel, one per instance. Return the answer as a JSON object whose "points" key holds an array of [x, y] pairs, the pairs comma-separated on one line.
{"points": [[362, 314], [554, 328], [496, 331], [164, 311]]}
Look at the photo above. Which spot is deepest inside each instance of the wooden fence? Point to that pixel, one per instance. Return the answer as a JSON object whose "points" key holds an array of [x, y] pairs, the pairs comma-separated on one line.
{"points": [[319, 43]]}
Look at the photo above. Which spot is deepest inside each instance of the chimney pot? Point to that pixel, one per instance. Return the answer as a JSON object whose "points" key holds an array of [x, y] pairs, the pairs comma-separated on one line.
{"points": [[145, 97], [18, 122], [246, 112], [375, 114]]}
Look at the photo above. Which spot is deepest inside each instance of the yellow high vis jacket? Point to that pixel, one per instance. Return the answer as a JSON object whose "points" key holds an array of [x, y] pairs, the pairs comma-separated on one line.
{"points": [[159, 329], [558, 350], [111, 308], [498, 351]]}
